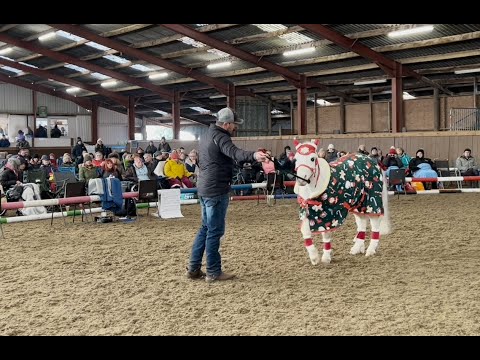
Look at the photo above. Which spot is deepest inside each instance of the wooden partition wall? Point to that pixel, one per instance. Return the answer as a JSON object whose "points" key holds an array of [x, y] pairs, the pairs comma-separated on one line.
{"points": [[437, 145]]}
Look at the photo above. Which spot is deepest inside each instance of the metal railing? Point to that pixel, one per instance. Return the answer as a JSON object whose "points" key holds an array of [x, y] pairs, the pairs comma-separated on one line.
{"points": [[464, 119]]}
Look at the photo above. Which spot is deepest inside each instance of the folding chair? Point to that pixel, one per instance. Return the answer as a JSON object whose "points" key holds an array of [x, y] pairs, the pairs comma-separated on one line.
{"points": [[147, 191], [75, 189], [397, 177], [443, 170]]}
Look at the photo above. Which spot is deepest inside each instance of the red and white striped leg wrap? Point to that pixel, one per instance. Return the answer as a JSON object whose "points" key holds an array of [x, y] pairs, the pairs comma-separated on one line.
{"points": [[308, 242], [375, 235], [327, 245]]}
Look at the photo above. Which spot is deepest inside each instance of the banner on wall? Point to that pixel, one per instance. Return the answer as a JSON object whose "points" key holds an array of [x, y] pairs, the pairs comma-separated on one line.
{"points": [[42, 111]]}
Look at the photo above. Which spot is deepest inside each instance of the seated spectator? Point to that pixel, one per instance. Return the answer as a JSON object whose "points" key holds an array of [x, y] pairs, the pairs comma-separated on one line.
{"points": [[151, 149], [53, 160], [127, 160], [99, 147], [35, 162], [191, 162], [4, 142], [67, 161], [362, 149], [374, 154], [391, 161], [47, 167], [466, 164], [176, 173], [331, 154], [322, 153], [140, 152], [286, 162], [403, 156], [162, 159], [9, 177], [342, 153], [422, 167], [98, 161], [138, 171], [87, 170], [40, 132], [109, 168]]}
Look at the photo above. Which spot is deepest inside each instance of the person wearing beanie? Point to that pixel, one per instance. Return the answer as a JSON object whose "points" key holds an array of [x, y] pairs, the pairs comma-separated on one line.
{"points": [[87, 171], [77, 151], [331, 155], [391, 161], [423, 167]]}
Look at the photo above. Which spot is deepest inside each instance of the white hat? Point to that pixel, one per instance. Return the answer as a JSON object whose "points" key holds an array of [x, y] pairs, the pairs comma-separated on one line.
{"points": [[331, 146], [227, 115]]}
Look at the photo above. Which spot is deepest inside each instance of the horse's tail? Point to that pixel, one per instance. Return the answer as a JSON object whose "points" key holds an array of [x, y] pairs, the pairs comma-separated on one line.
{"points": [[385, 225]]}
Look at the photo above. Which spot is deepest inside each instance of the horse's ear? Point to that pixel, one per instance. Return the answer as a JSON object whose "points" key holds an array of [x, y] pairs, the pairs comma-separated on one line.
{"points": [[316, 141], [296, 143]]}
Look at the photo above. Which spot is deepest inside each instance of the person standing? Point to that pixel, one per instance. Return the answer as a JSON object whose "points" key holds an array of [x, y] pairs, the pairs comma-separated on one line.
{"points": [[217, 154]]}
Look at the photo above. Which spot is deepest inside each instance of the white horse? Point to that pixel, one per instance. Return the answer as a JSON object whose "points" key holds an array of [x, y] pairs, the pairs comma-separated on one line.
{"points": [[327, 192]]}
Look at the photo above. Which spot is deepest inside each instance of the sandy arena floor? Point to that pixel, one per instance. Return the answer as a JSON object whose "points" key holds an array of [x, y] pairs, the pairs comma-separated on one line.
{"points": [[128, 279]]}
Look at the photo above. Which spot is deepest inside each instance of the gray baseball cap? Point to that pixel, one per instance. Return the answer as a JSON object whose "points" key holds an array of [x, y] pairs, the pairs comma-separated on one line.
{"points": [[227, 115]]}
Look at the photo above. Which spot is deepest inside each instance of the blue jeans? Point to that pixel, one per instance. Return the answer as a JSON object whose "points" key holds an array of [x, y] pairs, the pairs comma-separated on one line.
{"points": [[214, 211]]}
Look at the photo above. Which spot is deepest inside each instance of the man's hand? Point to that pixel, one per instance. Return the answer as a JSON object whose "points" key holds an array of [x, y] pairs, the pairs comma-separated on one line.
{"points": [[260, 156]]}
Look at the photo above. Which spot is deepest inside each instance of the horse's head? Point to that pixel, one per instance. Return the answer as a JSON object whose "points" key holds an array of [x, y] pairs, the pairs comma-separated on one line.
{"points": [[311, 170], [306, 164]]}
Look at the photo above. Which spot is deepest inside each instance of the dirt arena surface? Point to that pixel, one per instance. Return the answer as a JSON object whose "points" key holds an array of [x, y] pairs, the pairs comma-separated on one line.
{"points": [[128, 279]]}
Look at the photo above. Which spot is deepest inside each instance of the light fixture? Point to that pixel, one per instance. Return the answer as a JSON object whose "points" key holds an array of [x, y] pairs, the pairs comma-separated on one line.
{"points": [[47, 36], [466, 71], [218, 96], [407, 96], [323, 102], [5, 51], [109, 83], [411, 31], [368, 82], [73, 90], [219, 65], [299, 51], [158, 76]]}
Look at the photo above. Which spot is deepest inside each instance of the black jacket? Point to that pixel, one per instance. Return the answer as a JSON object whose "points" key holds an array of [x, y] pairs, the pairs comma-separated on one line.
{"points": [[217, 154]]}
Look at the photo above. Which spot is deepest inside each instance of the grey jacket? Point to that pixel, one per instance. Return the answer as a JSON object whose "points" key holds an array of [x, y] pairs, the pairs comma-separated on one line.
{"points": [[216, 157]]}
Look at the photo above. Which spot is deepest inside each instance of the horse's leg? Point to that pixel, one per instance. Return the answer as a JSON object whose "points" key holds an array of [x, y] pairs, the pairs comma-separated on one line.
{"points": [[307, 236], [359, 241], [375, 223], [327, 250]]}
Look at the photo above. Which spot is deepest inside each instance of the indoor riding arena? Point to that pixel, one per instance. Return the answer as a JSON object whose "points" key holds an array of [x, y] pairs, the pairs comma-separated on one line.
{"points": [[92, 113], [124, 279]]}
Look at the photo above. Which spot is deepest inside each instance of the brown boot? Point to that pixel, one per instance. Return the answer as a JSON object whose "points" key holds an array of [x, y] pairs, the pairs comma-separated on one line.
{"points": [[195, 275], [221, 277]]}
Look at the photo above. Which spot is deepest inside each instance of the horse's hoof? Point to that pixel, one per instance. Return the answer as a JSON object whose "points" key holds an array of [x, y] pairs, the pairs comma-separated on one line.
{"points": [[326, 259], [370, 252], [315, 261], [358, 248]]}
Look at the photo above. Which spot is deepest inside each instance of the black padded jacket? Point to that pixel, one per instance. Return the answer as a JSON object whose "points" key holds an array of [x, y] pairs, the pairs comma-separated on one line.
{"points": [[217, 154]]}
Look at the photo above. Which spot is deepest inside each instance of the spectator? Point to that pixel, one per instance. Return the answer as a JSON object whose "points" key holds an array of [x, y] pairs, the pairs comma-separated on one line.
{"points": [[99, 147], [422, 167], [362, 149], [176, 172], [466, 164], [55, 132], [98, 161], [151, 149], [391, 161], [4, 141], [77, 151], [40, 132], [164, 145], [403, 156], [87, 170], [109, 168], [331, 155]]}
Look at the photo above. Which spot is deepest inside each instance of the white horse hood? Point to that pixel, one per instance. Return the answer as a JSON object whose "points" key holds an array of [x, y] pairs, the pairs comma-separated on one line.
{"points": [[309, 166]]}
